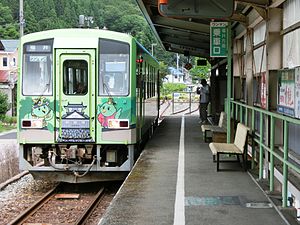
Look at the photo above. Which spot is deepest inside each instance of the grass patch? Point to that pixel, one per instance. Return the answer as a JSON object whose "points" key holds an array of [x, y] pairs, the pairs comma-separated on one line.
{"points": [[6, 127]]}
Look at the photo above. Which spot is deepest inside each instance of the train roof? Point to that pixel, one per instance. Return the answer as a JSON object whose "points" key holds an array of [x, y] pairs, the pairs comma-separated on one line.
{"points": [[145, 50], [83, 38], [75, 33]]}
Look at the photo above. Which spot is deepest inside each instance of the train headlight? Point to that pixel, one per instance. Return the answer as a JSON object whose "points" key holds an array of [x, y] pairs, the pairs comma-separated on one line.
{"points": [[32, 123], [118, 123], [111, 156]]}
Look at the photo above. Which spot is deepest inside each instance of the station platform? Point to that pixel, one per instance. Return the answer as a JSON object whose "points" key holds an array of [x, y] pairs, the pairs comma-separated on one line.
{"points": [[175, 182]]}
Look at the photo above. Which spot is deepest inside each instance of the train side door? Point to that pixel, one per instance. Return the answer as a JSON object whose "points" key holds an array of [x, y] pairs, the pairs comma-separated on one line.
{"points": [[75, 95]]}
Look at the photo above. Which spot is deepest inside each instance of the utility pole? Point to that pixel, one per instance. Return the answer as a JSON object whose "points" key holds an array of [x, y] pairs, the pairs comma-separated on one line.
{"points": [[152, 48], [21, 18]]}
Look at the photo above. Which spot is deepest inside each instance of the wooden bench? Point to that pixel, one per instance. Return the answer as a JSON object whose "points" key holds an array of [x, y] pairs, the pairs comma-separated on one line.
{"points": [[219, 130], [239, 147]]}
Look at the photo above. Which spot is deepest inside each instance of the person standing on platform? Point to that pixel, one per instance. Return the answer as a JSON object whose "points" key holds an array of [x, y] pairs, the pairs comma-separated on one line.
{"points": [[203, 100]]}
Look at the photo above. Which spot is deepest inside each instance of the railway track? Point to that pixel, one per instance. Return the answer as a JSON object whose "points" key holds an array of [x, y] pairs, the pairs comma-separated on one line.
{"points": [[62, 205]]}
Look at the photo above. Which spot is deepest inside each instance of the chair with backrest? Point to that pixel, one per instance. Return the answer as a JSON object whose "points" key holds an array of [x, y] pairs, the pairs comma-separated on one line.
{"points": [[220, 128], [237, 148]]}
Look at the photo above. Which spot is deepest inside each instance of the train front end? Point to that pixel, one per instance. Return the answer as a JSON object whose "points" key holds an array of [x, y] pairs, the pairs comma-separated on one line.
{"points": [[77, 105]]}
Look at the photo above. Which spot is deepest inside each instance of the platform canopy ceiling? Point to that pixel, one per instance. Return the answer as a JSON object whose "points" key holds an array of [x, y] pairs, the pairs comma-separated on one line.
{"points": [[183, 26]]}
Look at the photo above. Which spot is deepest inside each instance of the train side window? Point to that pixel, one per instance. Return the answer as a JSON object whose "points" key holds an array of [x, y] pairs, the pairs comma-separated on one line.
{"points": [[75, 77], [113, 68], [37, 68]]}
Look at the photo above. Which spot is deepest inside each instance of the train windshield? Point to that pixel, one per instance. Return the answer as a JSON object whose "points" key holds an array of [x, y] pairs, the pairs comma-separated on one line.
{"points": [[75, 76], [37, 68], [114, 68]]}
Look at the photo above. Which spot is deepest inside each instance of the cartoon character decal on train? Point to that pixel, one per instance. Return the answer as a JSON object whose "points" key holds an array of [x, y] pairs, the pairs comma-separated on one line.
{"points": [[108, 111], [41, 110]]}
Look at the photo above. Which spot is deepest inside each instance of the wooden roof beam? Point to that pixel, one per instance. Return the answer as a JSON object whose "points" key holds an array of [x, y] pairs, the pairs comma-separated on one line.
{"points": [[181, 24], [262, 3]]}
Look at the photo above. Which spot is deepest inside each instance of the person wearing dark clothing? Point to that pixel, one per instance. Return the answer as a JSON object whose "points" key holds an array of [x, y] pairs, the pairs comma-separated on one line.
{"points": [[203, 101]]}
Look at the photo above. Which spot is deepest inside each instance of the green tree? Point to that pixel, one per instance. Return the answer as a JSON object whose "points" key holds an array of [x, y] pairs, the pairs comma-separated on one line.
{"points": [[59, 7], [37, 6], [8, 29], [4, 105], [13, 8], [5, 15], [31, 24], [200, 72], [163, 69], [70, 16]]}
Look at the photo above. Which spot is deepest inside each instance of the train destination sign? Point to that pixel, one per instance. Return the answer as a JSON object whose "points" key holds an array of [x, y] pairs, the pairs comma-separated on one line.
{"points": [[38, 48], [218, 39]]}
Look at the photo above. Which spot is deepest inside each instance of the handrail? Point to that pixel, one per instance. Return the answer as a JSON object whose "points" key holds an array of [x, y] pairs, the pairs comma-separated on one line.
{"points": [[190, 101], [247, 110], [269, 113]]}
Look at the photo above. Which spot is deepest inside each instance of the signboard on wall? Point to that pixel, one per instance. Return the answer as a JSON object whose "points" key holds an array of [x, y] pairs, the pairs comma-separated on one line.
{"points": [[297, 92], [263, 91], [286, 92], [218, 39]]}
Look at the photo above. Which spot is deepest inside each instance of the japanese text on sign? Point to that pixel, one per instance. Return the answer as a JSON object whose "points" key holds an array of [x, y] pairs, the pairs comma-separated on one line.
{"points": [[218, 39]]}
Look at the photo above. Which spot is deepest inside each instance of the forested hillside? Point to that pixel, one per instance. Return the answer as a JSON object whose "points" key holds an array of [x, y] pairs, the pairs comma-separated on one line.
{"points": [[122, 16], [117, 15]]}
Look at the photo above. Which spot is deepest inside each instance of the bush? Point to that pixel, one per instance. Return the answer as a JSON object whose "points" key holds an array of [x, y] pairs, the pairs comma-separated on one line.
{"points": [[169, 88], [9, 120], [4, 105]]}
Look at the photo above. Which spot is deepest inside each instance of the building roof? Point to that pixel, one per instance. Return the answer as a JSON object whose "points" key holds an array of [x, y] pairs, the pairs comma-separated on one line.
{"points": [[9, 45], [175, 71]]}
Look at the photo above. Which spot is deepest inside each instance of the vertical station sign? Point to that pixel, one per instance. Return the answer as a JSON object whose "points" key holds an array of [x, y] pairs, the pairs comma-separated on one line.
{"points": [[286, 92], [263, 90], [218, 39], [297, 92]]}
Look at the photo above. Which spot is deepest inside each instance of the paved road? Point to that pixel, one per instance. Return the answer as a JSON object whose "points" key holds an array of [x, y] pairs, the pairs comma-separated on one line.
{"points": [[9, 135]]}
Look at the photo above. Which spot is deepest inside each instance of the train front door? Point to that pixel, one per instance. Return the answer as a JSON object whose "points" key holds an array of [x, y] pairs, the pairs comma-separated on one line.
{"points": [[75, 95]]}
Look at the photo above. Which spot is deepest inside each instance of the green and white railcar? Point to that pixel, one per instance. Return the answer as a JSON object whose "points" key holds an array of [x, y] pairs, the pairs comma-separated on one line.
{"points": [[87, 99]]}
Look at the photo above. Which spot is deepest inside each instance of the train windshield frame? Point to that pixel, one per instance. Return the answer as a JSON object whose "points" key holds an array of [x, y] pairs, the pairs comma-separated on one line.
{"points": [[114, 68], [37, 70]]}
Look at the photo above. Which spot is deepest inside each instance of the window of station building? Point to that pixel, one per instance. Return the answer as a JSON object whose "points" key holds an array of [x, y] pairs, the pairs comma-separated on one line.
{"points": [[291, 34], [114, 68], [37, 70], [75, 77], [259, 52], [5, 62]]}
